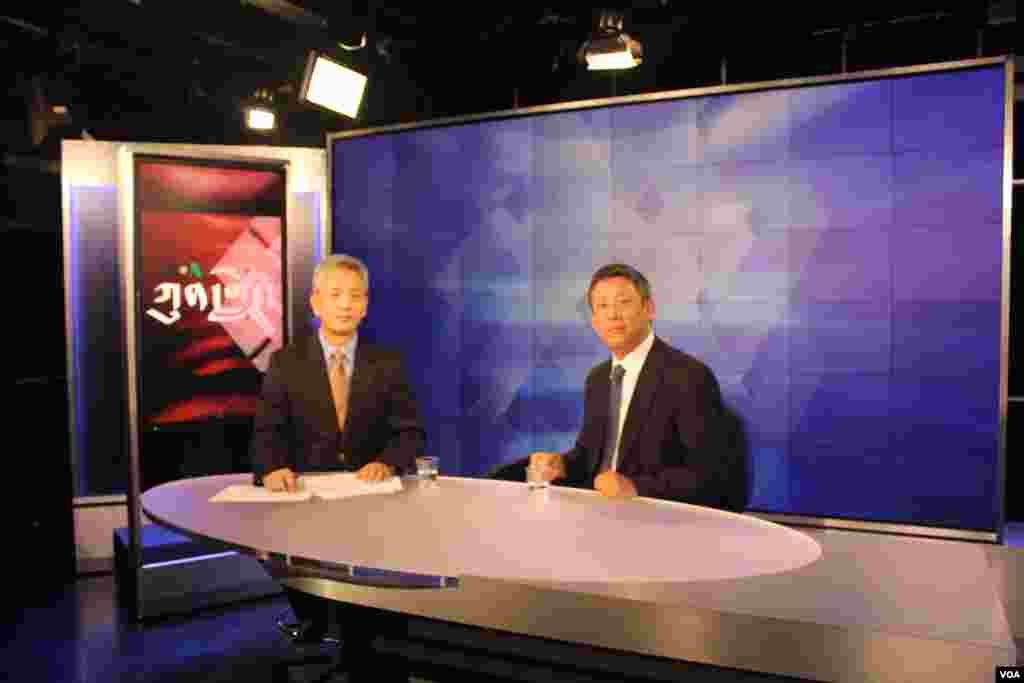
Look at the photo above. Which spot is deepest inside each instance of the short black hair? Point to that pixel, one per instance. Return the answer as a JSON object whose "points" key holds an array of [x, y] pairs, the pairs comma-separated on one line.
{"points": [[621, 270]]}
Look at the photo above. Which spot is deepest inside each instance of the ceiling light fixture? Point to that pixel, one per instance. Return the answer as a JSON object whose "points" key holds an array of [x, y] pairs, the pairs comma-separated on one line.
{"points": [[609, 47], [331, 85], [258, 118], [259, 112]]}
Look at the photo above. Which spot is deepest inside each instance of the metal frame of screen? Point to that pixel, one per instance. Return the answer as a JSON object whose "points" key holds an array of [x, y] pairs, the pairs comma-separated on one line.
{"points": [[1006, 62], [132, 258]]}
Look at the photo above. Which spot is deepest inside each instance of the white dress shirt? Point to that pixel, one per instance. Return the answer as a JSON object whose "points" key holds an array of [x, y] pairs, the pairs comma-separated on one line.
{"points": [[633, 363]]}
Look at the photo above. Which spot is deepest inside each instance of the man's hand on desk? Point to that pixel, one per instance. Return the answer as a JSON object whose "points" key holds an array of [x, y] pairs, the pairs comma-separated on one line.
{"points": [[375, 471], [614, 485], [550, 465], [281, 480]]}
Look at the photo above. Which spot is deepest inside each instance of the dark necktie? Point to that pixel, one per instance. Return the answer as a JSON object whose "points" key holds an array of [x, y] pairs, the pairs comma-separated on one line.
{"points": [[614, 406]]}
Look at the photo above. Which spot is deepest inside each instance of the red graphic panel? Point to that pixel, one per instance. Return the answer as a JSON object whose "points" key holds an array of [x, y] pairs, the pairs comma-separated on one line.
{"points": [[209, 261]]}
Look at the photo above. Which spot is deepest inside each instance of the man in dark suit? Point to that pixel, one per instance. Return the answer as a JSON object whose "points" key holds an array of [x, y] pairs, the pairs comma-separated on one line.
{"points": [[332, 402], [657, 426]]}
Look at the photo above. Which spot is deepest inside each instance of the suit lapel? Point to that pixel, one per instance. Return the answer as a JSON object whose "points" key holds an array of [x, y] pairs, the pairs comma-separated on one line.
{"points": [[640, 406], [317, 380], [360, 386], [601, 389]]}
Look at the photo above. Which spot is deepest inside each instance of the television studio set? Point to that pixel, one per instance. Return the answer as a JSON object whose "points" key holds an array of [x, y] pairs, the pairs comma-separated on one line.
{"points": [[389, 342]]}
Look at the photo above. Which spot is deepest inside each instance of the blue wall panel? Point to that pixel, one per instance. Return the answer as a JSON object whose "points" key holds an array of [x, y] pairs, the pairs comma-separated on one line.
{"points": [[833, 252]]}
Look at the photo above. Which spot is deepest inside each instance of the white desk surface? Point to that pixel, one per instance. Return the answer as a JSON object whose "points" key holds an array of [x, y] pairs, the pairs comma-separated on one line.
{"points": [[644, 576], [456, 526]]}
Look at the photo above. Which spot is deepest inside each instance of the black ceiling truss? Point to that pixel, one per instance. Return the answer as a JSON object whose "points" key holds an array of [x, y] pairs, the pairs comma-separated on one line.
{"points": [[151, 70]]}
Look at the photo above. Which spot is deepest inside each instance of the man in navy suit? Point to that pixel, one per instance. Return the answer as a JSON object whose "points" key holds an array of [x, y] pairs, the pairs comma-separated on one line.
{"points": [[668, 439], [333, 402]]}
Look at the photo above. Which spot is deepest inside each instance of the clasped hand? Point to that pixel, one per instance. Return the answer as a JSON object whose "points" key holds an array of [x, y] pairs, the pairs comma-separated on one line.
{"points": [[548, 466], [614, 485], [610, 483]]}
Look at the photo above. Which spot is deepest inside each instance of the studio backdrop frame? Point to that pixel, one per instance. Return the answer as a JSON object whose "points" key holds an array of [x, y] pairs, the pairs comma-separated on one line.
{"points": [[221, 219], [835, 248]]}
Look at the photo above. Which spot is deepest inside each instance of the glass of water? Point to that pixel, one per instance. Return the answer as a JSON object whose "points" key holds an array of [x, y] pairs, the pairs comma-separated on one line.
{"points": [[426, 467]]}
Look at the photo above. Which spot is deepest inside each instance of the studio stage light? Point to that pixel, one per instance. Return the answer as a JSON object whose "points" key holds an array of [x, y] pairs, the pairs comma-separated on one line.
{"points": [[260, 118], [609, 47], [332, 86]]}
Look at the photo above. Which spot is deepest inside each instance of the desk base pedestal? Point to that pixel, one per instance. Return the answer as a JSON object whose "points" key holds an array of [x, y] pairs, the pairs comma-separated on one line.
{"points": [[444, 651], [177, 575]]}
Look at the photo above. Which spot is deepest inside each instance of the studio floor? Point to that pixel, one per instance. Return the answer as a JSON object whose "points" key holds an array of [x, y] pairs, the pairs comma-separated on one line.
{"points": [[76, 634]]}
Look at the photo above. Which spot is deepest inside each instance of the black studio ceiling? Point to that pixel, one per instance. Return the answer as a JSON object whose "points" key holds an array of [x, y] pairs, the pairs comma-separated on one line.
{"points": [[159, 70]]}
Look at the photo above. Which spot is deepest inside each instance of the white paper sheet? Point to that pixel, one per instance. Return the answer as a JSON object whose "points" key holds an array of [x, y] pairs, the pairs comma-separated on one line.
{"points": [[326, 486], [345, 485], [247, 493]]}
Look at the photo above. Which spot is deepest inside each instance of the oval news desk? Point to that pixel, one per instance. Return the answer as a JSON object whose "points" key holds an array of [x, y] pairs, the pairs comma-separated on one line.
{"points": [[679, 588]]}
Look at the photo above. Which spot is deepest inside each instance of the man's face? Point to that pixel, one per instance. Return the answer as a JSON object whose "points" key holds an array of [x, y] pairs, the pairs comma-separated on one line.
{"points": [[339, 299], [619, 315]]}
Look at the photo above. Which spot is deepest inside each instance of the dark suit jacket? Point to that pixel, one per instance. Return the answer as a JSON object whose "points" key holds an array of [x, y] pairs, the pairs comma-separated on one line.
{"points": [[296, 425], [673, 440]]}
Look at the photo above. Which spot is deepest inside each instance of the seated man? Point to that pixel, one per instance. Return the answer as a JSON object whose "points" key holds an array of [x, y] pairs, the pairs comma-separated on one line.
{"points": [[333, 402], [653, 420]]}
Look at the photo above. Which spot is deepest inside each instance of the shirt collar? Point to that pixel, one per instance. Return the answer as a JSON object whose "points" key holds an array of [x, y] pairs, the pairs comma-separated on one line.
{"points": [[634, 360], [348, 348]]}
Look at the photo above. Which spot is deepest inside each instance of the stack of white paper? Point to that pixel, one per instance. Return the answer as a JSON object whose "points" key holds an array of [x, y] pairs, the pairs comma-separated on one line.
{"points": [[345, 485], [326, 486], [247, 493]]}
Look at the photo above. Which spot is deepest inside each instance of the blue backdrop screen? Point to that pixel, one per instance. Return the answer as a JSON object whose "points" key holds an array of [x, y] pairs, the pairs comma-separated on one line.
{"points": [[833, 252]]}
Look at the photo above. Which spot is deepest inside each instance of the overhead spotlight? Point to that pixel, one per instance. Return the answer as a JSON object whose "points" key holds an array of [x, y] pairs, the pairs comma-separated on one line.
{"points": [[609, 47], [258, 118], [48, 106], [331, 85], [259, 112]]}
